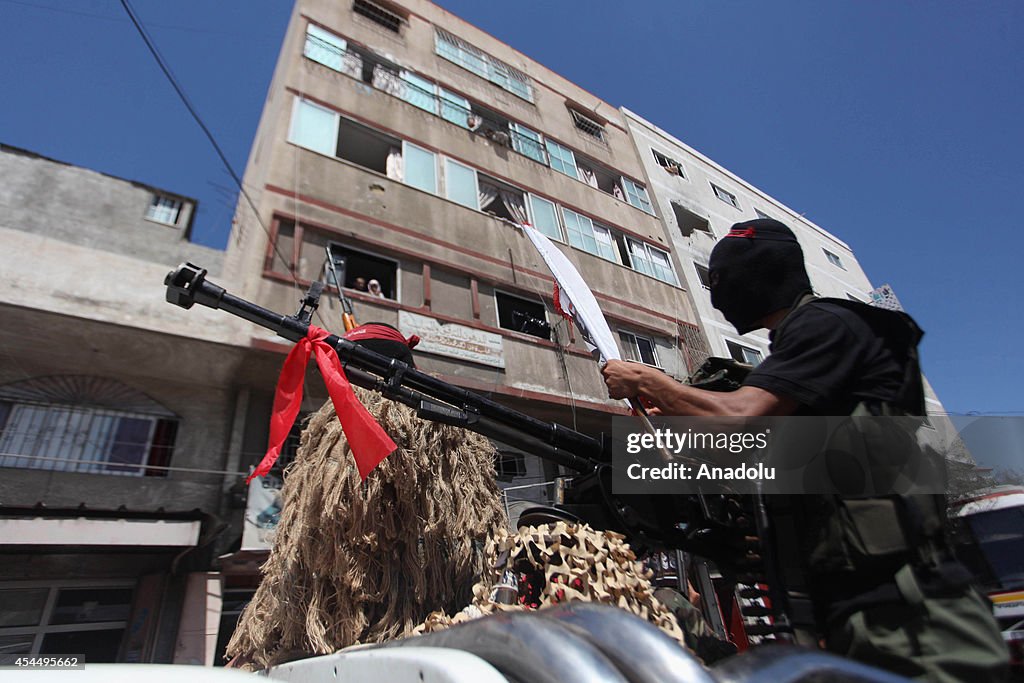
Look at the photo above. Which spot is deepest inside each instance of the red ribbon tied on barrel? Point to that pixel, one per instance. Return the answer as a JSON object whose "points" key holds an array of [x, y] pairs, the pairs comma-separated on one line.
{"points": [[369, 442]]}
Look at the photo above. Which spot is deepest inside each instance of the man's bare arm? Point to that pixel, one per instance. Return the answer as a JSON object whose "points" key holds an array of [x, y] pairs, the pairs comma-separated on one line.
{"points": [[627, 380]]}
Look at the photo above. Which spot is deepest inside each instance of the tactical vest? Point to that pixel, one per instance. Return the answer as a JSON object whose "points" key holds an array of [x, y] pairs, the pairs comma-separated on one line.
{"points": [[858, 552]]}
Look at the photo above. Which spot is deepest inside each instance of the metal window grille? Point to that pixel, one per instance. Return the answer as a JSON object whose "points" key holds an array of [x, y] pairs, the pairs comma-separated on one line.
{"points": [[73, 439], [471, 58], [587, 125], [378, 14], [695, 346]]}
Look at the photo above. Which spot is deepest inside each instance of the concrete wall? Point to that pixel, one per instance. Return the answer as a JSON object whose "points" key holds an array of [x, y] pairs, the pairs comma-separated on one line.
{"points": [[90, 209], [334, 200], [693, 191]]}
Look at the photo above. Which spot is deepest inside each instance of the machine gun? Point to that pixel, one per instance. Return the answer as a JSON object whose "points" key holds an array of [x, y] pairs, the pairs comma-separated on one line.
{"points": [[722, 528]]}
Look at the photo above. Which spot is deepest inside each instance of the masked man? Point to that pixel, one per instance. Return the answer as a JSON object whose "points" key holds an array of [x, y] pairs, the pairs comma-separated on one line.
{"points": [[901, 603]]}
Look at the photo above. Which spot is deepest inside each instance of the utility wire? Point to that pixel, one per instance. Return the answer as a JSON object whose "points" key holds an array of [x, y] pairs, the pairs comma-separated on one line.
{"points": [[165, 68], [105, 17]]}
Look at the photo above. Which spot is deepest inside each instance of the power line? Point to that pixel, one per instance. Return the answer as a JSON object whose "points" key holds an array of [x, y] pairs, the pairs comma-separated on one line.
{"points": [[166, 69], [105, 464], [104, 17]]}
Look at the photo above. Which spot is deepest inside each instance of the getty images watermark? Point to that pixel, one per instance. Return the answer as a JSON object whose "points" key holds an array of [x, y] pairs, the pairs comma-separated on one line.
{"points": [[857, 456]]}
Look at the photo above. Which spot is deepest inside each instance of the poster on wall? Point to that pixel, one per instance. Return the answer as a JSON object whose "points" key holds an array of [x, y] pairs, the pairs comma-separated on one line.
{"points": [[453, 340], [262, 513]]}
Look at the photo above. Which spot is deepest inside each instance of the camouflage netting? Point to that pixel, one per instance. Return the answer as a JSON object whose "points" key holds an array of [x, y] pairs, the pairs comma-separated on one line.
{"points": [[538, 567], [363, 562]]}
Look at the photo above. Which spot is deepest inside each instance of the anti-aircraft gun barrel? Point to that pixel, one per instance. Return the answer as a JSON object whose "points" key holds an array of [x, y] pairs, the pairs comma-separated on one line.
{"points": [[432, 398]]}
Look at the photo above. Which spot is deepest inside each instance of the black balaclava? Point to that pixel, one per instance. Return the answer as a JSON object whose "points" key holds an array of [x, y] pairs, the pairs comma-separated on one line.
{"points": [[757, 269], [386, 340]]}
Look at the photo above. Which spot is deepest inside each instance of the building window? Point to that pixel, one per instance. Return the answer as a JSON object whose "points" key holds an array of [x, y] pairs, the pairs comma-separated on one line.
{"points": [[235, 600], [357, 269], [324, 131], [636, 194], [688, 221], [587, 125], [460, 184], [508, 465], [508, 78], [522, 315], [469, 57], [454, 108], [164, 210], [419, 92], [324, 47], [527, 142], [545, 218], [75, 423], [703, 275], [378, 14], [834, 259], [743, 354], [670, 165], [597, 176], [502, 201], [561, 159], [419, 168], [637, 348], [460, 52], [583, 234], [89, 621], [368, 148], [726, 196], [314, 127], [650, 261]]}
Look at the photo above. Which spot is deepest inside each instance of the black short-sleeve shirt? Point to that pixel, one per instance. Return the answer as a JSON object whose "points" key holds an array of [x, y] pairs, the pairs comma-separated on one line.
{"points": [[828, 359]]}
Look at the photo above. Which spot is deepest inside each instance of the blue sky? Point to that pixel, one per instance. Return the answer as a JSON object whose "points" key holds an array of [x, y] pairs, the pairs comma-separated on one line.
{"points": [[895, 125]]}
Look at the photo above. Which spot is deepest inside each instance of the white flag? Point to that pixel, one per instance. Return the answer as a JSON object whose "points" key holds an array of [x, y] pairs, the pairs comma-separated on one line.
{"points": [[574, 299]]}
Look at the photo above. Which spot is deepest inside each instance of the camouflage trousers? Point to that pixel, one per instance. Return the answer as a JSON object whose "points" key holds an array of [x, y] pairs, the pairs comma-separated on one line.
{"points": [[938, 639], [699, 636]]}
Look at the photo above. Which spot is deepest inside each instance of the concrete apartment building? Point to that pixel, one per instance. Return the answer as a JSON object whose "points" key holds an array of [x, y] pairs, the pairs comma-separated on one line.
{"points": [[117, 420], [699, 201], [407, 144]]}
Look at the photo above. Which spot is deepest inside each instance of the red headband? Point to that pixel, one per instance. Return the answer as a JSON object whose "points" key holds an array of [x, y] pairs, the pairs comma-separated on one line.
{"points": [[376, 331]]}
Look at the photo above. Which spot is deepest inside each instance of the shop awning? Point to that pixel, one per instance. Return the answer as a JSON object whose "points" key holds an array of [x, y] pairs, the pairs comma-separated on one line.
{"points": [[85, 531]]}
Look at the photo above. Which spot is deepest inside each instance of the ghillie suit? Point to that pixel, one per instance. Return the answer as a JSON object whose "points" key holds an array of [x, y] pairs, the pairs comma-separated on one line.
{"points": [[363, 562], [541, 566]]}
